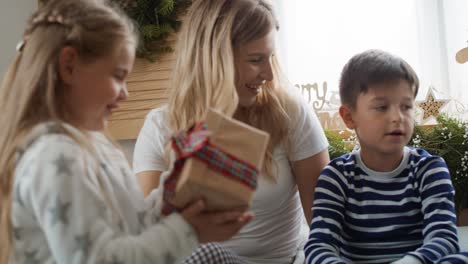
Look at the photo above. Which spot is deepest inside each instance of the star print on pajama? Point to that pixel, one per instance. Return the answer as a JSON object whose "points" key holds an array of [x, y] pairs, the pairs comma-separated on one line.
{"points": [[63, 165], [83, 243], [71, 205], [59, 212]]}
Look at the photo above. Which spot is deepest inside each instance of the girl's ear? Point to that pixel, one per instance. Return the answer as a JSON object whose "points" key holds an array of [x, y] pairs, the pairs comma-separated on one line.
{"points": [[68, 59], [346, 114]]}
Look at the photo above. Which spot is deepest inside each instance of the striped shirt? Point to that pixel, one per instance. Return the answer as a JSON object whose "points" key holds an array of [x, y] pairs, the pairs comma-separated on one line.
{"points": [[364, 216]]}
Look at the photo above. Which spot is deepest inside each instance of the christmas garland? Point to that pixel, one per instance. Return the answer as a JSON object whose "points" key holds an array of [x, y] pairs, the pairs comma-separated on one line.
{"points": [[155, 20]]}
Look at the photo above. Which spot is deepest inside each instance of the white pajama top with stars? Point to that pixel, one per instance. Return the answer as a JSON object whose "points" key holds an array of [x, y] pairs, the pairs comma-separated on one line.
{"points": [[73, 206]]}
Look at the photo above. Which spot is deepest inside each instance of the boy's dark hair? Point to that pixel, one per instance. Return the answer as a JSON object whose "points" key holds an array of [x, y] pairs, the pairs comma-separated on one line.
{"points": [[373, 67]]}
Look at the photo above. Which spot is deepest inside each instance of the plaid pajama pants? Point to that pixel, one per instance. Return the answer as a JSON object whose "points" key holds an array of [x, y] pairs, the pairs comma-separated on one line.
{"points": [[213, 253]]}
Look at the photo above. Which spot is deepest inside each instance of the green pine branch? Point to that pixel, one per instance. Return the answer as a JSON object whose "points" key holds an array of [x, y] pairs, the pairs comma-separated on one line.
{"points": [[155, 20], [165, 8]]}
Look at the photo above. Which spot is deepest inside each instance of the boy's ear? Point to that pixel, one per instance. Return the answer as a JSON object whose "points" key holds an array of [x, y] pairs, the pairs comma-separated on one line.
{"points": [[346, 114], [68, 58]]}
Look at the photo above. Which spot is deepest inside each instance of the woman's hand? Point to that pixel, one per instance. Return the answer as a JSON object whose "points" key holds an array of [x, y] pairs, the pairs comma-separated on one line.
{"points": [[214, 226]]}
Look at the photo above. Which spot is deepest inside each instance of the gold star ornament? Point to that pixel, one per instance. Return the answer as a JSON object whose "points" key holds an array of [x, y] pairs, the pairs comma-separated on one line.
{"points": [[431, 106], [462, 55]]}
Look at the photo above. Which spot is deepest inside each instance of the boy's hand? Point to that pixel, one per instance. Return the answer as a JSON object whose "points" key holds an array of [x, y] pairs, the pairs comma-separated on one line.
{"points": [[214, 226]]}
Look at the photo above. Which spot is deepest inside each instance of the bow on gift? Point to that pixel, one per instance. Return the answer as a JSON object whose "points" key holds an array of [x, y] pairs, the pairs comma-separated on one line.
{"points": [[195, 144]]}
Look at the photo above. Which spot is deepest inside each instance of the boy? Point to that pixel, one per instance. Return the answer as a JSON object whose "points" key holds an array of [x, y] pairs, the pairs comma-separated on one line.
{"points": [[386, 202]]}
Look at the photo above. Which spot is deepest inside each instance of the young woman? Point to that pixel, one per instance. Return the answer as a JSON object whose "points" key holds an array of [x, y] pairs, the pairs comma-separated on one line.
{"points": [[226, 60]]}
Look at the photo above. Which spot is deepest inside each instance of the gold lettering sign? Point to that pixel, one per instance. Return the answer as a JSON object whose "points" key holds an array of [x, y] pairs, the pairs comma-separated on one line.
{"points": [[325, 106]]}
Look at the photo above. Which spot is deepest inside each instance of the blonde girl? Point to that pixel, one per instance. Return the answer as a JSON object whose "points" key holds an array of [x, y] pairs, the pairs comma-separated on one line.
{"points": [[226, 60], [67, 194]]}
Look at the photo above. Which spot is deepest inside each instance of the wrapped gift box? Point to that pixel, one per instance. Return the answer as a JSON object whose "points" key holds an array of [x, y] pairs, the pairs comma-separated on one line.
{"points": [[218, 160]]}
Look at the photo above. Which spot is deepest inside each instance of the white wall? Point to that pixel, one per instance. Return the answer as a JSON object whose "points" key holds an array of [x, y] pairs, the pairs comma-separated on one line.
{"points": [[13, 17], [432, 59], [318, 38], [456, 32]]}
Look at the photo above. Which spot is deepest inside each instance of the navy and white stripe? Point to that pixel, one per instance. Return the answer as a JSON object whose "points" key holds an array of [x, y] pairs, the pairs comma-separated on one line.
{"points": [[461, 258], [363, 216]]}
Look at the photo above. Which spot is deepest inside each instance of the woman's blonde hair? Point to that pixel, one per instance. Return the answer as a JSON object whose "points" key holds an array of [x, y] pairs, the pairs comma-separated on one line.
{"points": [[204, 75], [32, 92]]}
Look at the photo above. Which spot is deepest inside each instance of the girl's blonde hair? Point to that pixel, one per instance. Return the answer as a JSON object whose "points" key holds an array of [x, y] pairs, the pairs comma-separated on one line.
{"points": [[205, 74], [32, 91]]}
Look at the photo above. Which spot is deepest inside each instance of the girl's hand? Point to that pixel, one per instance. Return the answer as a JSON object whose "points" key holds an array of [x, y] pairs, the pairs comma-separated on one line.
{"points": [[214, 226]]}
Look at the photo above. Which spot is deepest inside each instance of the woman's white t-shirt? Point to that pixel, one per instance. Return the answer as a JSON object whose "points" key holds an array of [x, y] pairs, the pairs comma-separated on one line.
{"points": [[278, 229]]}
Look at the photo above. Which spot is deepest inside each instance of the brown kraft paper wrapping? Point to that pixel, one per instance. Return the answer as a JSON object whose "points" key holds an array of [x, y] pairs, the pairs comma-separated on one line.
{"points": [[220, 192]]}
